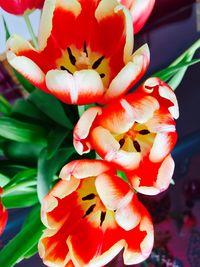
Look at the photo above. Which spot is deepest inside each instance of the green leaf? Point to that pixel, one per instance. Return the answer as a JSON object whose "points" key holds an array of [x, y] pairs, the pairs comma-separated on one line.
{"points": [[23, 153], [32, 251], [21, 132], [48, 168], [20, 200], [5, 107], [6, 29], [55, 139], [51, 107], [26, 239], [28, 109], [4, 180], [20, 176]]}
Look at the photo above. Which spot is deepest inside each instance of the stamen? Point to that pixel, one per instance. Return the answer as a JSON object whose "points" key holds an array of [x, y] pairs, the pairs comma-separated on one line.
{"points": [[90, 210], [97, 62], [121, 142], [71, 56], [63, 68], [144, 132], [137, 146], [89, 197], [102, 75], [102, 217], [85, 48]]}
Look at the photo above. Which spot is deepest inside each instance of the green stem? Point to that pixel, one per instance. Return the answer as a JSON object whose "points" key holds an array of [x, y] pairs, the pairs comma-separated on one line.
{"points": [[190, 50], [30, 29]]}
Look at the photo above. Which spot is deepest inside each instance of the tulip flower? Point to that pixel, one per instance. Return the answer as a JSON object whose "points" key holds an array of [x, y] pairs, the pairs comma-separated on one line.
{"points": [[132, 130], [3, 216], [82, 58], [140, 11], [90, 216], [20, 7]]}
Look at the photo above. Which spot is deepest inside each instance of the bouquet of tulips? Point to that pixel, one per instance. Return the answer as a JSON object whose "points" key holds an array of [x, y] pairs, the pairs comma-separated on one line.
{"points": [[79, 147]]}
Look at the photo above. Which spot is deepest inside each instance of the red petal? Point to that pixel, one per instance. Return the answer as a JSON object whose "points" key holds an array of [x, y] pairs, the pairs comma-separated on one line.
{"points": [[3, 217], [20, 7], [139, 240], [152, 178], [140, 11], [83, 128], [163, 93]]}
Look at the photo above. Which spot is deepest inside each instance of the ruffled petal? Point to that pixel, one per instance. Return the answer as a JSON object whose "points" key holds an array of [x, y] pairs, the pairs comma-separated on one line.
{"points": [[139, 240], [164, 94], [152, 178], [82, 130]]}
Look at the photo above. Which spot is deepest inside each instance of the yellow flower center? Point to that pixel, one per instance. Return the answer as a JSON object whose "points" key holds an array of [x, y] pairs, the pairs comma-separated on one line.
{"points": [[91, 204], [74, 59], [137, 139]]}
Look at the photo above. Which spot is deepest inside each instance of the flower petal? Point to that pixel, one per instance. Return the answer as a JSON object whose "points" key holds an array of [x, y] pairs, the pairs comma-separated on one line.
{"points": [[72, 7], [24, 65], [110, 150], [140, 11], [3, 217], [82, 252], [129, 216], [113, 191], [84, 168], [83, 87], [129, 75], [82, 130], [53, 249], [153, 178], [162, 145], [139, 241], [163, 93]]}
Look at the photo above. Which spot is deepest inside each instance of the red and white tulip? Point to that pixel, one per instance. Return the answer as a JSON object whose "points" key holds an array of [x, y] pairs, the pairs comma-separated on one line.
{"points": [[140, 11], [19, 7], [90, 216], [82, 58], [134, 133]]}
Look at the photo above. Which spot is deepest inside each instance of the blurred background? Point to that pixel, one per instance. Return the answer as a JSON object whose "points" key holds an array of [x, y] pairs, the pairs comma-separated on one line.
{"points": [[173, 26]]}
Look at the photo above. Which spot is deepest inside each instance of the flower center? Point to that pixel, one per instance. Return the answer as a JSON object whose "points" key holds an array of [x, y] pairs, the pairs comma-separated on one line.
{"points": [[74, 59], [137, 139], [91, 203]]}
